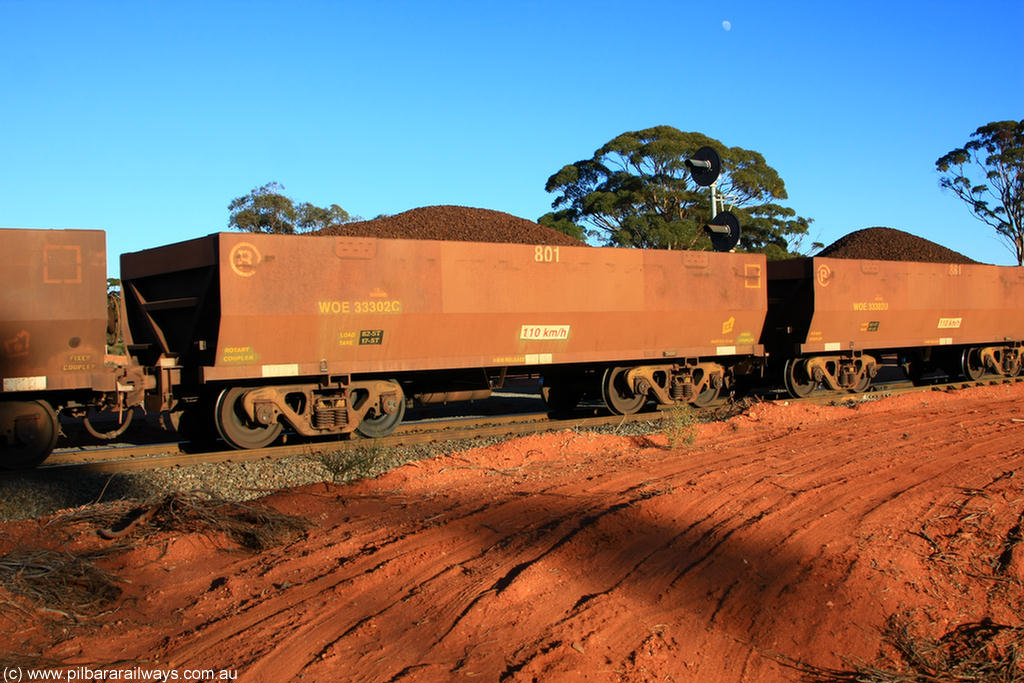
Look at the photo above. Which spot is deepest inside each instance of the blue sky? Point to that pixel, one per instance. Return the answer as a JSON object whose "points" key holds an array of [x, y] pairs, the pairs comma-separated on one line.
{"points": [[147, 118]]}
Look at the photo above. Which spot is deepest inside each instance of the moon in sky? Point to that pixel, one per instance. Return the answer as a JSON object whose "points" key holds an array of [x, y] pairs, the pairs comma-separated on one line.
{"points": [[727, 25]]}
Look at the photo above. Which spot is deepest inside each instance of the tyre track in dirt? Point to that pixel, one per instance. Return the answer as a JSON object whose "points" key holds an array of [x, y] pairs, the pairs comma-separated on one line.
{"points": [[578, 557], [708, 544]]}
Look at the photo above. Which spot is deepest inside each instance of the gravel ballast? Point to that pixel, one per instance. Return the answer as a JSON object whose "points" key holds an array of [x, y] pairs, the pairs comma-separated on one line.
{"points": [[29, 495]]}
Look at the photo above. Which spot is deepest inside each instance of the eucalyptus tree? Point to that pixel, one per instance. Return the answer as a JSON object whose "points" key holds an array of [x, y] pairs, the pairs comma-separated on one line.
{"points": [[267, 209], [987, 174], [636, 191]]}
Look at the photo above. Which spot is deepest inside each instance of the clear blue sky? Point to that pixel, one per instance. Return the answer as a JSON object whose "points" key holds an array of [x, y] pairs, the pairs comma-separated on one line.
{"points": [[147, 118]]}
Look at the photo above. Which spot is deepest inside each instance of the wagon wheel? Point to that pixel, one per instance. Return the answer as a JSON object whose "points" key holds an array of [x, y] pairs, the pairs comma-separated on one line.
{"points": [[236, 428], [618, 396], [862, 384], [125, 420], [32, 434], [377, 424], [797, 381], [1012, 363], [561, 399], [707, 397], [971, 365]]}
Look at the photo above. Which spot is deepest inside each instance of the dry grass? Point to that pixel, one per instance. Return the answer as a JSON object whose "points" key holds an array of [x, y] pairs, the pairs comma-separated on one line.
{"points": [[980, 652], [971, 546], [19, 660], [252, 527], [58, 582], [357, 463]]}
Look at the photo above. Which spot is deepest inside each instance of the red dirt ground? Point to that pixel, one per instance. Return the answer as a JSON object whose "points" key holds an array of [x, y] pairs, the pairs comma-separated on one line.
{"points": [[788, 533]]}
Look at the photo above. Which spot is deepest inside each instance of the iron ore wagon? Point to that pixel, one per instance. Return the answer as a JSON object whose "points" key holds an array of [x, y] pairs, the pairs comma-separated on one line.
{"points": [[328, 335]]}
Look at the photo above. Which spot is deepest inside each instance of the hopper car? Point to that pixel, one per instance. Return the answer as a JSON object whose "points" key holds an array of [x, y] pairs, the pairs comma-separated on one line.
{"points": [[330, 335], [832, 322], [54, 317], [254, 335]]}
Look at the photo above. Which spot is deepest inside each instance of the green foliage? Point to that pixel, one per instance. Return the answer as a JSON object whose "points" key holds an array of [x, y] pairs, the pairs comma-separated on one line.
{"points": [[987, 174], [562, 225], [312, 218], [266, 209], [356, 463], [637, 192], [680, 424]]}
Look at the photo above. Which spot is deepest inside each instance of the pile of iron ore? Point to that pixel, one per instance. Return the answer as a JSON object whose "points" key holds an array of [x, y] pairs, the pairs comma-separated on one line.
{"points": [[888, 244], [457, 223]]}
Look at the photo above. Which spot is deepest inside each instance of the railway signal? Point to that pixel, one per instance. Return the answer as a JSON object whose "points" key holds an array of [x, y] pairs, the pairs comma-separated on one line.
{"points": [[705, 166], [724, 229]]}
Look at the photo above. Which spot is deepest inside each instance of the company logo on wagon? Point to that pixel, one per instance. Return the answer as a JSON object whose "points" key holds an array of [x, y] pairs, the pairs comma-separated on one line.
{"points": [[824, 275], [244, 258]]}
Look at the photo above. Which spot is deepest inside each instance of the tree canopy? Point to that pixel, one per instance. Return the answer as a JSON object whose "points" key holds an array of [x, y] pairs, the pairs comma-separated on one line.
{"points": [[637, 192], [266, 209], [987, 174]]}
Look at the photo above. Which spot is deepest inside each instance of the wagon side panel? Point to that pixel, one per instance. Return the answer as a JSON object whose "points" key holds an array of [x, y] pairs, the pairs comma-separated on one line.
{"points": [[309, 305], [53, 299]]}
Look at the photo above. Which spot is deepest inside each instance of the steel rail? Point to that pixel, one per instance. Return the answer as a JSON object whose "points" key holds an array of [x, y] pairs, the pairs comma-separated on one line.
{"points": [[136, 463], [154, 456]]}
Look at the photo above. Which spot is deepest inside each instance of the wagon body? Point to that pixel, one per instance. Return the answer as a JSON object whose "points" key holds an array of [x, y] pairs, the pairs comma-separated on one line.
{"points": [[826, 305], [54, 311], [245, 306]]}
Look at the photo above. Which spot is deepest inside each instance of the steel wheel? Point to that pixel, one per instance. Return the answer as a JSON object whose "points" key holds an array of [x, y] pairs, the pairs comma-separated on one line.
{"points": [[125, 420], [235, 427], [707, 397], [1012, 368], [862, 385], [617, 395], [376, 425], [970, 364], [797, 381], [29, 430]]}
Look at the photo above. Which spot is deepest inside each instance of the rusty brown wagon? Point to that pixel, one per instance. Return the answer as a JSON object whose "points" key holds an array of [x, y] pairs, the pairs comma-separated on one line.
{"points": [[330, 335], [832, 321], [53, 326]]}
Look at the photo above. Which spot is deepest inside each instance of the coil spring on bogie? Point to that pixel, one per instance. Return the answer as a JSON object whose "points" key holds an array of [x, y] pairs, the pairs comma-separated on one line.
{"points": [[681, 389], [329, 417], [676, 390]]}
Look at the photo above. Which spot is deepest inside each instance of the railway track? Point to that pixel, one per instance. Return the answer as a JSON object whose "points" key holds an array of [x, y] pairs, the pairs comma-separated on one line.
{"points": [[119, 459], [137, 458]]}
